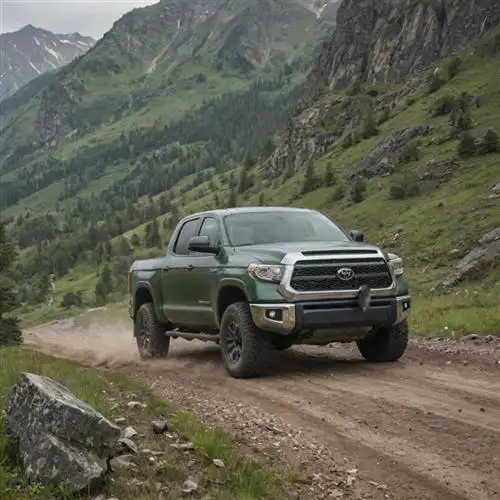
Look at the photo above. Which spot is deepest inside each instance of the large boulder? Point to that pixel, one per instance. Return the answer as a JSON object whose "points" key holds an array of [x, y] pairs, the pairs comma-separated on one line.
{"points": [[60, 438], [471, 267], [380, 160]]}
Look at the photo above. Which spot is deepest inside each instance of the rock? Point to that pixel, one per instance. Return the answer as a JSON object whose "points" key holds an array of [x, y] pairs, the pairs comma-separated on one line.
{"points": [[468, 338], [183, 446], [129, 432], [136, 404], [127, 445], [486, 253], [120, 420], [333, 116], [159, 426], [496, 188], [122, 462], [379, 160], [219, 463], [189, 486], [60, 437]]}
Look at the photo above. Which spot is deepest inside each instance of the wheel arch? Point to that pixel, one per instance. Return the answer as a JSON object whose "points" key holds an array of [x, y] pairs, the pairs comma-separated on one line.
{"points": [[143, 294], [229, 293]]}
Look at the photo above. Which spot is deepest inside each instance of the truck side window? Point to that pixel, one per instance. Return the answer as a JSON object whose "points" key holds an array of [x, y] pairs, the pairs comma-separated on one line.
{"points": [[209, 228], [188, 230]]}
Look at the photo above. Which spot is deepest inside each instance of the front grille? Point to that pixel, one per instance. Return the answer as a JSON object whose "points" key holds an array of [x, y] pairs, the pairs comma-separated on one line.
{"points": [[321, 275]]}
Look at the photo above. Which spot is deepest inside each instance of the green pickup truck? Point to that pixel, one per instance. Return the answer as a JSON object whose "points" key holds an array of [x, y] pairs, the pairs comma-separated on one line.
{"points": [[260, 279]]}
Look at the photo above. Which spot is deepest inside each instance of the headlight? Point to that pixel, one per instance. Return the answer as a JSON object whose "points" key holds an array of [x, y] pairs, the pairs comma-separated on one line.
{"points": [[396, 264], [266, 272]]}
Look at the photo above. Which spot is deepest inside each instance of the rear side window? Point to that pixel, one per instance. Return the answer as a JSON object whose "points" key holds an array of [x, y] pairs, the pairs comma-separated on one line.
{"points": [[188, 230]]}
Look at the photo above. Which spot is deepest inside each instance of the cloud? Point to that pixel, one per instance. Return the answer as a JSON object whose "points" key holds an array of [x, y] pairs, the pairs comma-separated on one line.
{"points": [[88, 17]]}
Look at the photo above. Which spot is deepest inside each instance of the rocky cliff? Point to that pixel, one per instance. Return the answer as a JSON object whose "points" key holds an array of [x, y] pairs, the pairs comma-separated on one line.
{"points": [[384, 40], [378, 41], [30, 52]]}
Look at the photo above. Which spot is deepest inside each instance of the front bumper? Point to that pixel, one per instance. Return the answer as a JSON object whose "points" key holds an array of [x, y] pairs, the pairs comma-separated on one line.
{"points": [[286, 318]]}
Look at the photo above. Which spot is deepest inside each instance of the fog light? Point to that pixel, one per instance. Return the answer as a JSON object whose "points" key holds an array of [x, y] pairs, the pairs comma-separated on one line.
{"points": [[275, 314]]}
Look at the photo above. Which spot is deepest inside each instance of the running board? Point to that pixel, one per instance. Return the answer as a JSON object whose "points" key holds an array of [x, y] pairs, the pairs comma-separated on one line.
{"points": [[204, 337]]}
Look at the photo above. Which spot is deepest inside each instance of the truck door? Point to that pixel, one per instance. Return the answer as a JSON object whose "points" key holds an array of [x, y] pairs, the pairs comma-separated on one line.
{"points": [[177, 277], [205, 276]]}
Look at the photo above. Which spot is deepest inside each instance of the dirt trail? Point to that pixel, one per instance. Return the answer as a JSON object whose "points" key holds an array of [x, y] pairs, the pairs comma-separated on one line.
{"points": [[427, 427]]}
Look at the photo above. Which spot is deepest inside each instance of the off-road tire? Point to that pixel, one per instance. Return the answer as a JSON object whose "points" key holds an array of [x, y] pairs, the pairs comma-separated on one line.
{"points": [[146, 322], [256, 349], [388, 344]]}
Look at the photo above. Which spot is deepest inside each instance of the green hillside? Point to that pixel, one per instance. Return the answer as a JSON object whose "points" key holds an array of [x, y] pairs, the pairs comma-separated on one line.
{"points": [[87, 208]]}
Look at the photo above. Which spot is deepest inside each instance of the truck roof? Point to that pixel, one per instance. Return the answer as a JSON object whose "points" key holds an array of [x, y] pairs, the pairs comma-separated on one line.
{"points": [[245, 210]]}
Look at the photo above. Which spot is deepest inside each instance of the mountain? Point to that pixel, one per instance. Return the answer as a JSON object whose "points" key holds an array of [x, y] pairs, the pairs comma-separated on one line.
{"points": [[386, 117], [31, 52]]}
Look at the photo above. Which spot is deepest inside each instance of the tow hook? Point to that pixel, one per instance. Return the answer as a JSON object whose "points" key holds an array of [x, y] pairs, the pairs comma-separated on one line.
{"points": [[364, 298]]}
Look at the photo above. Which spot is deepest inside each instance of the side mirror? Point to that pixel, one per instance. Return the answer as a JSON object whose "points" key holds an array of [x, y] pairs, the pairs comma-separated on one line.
{"points": [[357, 235], [201, 244]]}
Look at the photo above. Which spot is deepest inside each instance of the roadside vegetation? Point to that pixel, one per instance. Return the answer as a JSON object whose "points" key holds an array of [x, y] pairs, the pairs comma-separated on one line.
{"points": [[161, 471]]}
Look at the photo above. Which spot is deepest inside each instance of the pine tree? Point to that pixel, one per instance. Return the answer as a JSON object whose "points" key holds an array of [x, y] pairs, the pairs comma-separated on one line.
{"points": [[10, 331], [330, 175], [232, 200], [310, 180]]}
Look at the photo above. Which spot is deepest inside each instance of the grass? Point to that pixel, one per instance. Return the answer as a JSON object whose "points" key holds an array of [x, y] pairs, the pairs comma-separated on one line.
{"points": [[108, 392]]}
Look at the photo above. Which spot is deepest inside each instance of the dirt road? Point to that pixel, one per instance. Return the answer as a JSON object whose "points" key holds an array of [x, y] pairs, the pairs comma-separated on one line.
{"points": [[427, 427]]}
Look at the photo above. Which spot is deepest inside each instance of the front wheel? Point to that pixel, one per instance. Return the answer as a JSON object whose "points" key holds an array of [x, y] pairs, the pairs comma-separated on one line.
{"points": [[150, 334], [386, 345], [245, 349]]}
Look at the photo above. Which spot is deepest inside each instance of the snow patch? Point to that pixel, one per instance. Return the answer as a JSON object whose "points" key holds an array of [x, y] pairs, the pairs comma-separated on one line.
{"points": [[35, 68], [36, 41], [53, 53]]}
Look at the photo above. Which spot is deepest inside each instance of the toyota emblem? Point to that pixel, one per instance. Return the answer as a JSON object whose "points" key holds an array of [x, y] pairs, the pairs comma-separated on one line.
{"points": [[345, 274]]}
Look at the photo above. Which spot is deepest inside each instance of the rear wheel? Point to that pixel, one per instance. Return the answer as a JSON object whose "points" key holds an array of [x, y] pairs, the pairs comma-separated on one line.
{"points": [[386, 345], [150, 334], [245, 349]]}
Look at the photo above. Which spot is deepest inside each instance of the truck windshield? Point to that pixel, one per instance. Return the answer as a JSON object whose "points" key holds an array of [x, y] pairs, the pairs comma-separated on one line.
{"points": [[257, 228]]}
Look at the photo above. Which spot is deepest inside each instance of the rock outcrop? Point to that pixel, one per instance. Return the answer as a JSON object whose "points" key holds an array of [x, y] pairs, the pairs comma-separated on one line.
{"points": [[60, 438], [311, 132], [378, 41], [471, 267], [380, 160], [386, 40]]}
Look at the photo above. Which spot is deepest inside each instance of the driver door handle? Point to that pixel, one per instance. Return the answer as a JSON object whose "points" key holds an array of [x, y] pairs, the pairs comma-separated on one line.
{"points": [[166, 268], [190, 267]]}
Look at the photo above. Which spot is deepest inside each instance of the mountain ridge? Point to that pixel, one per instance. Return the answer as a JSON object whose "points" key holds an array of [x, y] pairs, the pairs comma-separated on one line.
{"points": [[30, 52]]}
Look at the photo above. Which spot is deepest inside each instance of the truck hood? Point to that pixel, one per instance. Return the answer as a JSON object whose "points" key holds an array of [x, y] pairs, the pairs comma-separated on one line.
{"points": [[274, 252]]}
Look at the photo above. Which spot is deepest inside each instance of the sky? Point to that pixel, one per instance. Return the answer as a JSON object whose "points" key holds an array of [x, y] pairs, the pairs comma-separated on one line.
{"points": [[88, 17]]}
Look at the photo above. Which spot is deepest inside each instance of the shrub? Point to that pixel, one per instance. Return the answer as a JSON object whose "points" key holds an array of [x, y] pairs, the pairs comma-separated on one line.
{"points": [[347, 141], [369, 127], [489, 143], [405, 187], [466, 145], [409, 153], [355, 88], [454, 67], [443, 105], [434, 82], [384, 115], [330, 178], [358, 191], [338, 194]]}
